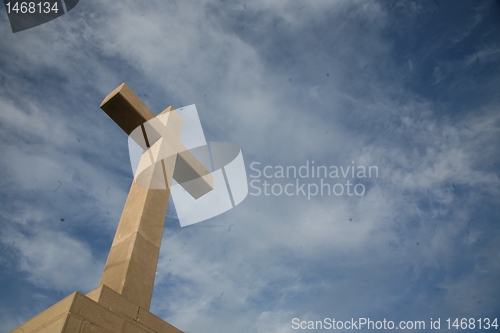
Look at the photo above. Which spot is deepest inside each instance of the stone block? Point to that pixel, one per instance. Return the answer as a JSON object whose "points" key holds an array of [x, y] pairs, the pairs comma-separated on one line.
{"points": [[114, 301], [54, 326], [89, 328], [144, 211], [131, 268], [135, 327], [96, 313], [46, 317], [156, 324], [138, 286], [78, 313], [73, 324], [155, 211], [117, 264], [126, 109]]}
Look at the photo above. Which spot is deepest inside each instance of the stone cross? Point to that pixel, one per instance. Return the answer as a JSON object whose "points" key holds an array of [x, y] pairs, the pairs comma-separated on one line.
{"points": [[131, 265], [121, 302]]}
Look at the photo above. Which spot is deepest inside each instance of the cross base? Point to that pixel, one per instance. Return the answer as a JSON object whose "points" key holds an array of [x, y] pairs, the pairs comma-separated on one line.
{"points": [[100, 311]]}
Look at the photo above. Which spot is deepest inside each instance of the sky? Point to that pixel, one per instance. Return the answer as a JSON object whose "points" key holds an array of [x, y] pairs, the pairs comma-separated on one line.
{"points": [[409, 87]]}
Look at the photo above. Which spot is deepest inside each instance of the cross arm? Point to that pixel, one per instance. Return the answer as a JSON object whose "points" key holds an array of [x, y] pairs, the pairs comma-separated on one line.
{"points": [[129, 112], [126, 108]]}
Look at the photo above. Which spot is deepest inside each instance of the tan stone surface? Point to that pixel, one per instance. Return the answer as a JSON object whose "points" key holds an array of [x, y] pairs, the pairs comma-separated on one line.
{"points": [[157, 324], [89, 328], [131, 265], [78, 313], [44, 318], [114, 301], [126, 109], [99, 314], [143, 204], [55, 326], [177, 128], [73, 324], [115, 270], [95, 294], [138, 285], [190, 172], [134, 327]]}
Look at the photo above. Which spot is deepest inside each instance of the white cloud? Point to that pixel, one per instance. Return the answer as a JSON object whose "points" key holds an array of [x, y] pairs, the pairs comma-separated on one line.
{"points": [[55, 260]]}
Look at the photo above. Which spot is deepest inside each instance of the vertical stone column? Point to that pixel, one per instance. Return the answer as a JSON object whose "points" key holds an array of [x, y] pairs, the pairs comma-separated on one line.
{"points": [[131, 265]]}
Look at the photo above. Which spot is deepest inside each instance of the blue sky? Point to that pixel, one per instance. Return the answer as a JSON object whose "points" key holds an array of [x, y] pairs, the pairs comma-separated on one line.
{"points": [[409, 86]]}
